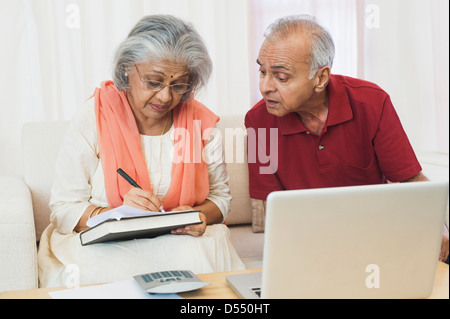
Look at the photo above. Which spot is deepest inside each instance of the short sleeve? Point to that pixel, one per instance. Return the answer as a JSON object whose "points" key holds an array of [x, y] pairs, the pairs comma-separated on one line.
{"points": [[395, 154]]}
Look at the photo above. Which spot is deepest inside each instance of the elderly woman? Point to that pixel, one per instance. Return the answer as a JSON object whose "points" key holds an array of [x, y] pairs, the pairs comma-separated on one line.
{"points": [[135, 124]]}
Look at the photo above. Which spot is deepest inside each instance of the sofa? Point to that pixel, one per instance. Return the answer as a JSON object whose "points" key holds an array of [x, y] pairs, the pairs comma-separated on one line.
{"points": [[24, 211]]}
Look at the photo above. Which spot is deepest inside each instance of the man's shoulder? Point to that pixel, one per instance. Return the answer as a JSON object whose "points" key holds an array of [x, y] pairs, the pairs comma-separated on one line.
{"points": [[359, 85], [259, 109], [363, 96]]}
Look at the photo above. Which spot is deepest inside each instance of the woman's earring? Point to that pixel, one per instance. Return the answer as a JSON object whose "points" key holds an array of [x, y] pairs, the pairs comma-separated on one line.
{"points": [[126, 74]]}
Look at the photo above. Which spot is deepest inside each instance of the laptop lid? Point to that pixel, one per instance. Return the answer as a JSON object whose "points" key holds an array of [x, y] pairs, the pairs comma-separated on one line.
{"points": [[377, 241]]}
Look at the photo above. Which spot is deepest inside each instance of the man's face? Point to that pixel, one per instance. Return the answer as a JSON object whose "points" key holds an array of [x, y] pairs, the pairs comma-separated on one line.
{"points": [[284, 75]]}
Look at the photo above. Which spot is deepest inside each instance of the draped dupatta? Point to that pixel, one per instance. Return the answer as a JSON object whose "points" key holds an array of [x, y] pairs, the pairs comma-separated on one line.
{"points": [[120, 147]]}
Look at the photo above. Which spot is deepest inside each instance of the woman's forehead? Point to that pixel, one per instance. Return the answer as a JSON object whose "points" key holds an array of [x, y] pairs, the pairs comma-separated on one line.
{"points": [[166, 68]]}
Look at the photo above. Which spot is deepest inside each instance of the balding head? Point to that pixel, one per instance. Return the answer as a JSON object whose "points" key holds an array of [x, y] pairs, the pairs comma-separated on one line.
{"points": [[321, 46]]}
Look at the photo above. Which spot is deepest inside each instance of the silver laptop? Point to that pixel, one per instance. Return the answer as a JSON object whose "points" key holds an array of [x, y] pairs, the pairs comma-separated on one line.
{"points": [[377, 241]]}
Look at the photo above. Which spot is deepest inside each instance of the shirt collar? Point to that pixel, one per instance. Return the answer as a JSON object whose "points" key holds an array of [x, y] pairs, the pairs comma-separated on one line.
{"points": [[339, 110]]}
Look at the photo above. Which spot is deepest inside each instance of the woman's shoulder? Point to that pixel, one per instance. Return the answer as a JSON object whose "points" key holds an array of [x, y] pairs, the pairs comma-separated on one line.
{"points": [[202, 112], [83, 121]]}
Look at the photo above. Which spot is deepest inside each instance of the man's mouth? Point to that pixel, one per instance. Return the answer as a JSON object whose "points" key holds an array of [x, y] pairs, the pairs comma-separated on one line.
{"points": [[271, 103]]}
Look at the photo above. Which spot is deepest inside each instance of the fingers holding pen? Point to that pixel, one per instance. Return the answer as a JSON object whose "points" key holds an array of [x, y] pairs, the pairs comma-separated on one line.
{"points": [[142, 199]]}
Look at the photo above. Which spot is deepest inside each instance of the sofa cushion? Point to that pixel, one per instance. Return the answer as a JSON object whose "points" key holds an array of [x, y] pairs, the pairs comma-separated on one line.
{"points": [[18, 262], [40, 144], [249, 246], [235, 148]]}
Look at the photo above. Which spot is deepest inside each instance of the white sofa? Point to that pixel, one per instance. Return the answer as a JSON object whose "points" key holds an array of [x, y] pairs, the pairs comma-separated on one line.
{"points": [[24, 211]]}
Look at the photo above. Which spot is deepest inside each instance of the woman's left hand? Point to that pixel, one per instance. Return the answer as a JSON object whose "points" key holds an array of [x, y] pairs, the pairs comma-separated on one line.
{"points": [[193, 230]]}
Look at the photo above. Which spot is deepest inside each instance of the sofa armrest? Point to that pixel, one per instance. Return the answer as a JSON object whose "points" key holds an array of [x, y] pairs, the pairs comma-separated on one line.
{"points": [[18, 253]]}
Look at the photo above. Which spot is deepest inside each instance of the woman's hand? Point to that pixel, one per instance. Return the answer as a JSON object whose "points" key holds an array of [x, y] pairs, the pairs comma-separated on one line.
{"points": [[143, 199], [193, 230], [81, 226]]}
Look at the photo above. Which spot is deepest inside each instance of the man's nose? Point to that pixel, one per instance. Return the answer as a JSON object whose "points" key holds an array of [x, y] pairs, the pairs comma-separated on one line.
{"points": [[266, 84]]}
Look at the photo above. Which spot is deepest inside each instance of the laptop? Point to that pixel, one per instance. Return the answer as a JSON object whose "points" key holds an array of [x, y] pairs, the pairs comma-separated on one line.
{"points": [[376, 241]]}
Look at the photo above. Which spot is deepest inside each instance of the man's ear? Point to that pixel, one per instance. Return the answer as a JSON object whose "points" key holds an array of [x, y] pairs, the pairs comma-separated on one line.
{"points": [[322, 78]]}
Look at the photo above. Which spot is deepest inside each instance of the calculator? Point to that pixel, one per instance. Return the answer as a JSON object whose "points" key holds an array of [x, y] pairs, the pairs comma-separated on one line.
{"points": [[168, 282]]}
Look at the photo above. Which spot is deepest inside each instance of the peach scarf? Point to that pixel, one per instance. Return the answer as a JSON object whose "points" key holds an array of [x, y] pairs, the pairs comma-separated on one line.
{"points": [[120, 147]]}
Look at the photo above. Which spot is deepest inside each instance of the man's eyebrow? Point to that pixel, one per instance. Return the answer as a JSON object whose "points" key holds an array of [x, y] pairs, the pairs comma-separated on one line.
{"points": [[274, 67], [277, 67]]}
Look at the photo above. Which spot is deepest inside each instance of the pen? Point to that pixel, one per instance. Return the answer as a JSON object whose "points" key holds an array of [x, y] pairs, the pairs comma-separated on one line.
{"points": [[128, 178], [132, 182]]}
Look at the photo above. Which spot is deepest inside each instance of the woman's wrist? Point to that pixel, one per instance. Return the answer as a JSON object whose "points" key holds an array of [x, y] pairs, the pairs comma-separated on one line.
{"points": [[96, 211], [90, 212]]}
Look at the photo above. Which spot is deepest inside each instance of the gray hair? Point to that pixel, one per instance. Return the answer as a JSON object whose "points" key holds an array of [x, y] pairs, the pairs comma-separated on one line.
{"points": [[159, 38], [322, 45]]}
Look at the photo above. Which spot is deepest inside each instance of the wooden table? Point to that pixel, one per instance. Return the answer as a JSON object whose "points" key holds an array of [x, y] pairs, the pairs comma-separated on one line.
{"points": [[220, 290], [441, 284]]}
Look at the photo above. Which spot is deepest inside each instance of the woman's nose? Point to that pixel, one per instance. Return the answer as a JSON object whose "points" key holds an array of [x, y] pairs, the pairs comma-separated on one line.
{"points": [[165, 95]]}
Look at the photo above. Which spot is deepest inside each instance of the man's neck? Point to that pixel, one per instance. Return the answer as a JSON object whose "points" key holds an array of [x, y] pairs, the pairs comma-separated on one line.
{"points": [[314, 115]]}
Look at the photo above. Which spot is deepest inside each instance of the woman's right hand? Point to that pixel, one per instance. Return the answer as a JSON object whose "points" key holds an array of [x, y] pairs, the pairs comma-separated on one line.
{"points": [[142, 199]]}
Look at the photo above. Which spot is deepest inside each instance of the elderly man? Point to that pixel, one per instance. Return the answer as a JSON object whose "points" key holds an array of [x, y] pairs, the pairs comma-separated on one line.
{"points": [[332, 130]]}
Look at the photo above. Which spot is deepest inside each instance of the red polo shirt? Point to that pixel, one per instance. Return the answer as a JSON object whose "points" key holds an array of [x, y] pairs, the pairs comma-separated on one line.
{"points": [[363, 142]]}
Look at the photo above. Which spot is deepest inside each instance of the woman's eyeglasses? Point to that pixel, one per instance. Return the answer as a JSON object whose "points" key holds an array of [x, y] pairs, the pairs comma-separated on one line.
{"points": [[156, 86]]}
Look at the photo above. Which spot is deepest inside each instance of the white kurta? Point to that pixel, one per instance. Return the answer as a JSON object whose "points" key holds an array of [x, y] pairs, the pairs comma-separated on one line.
{"points": [[79, 182]]}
